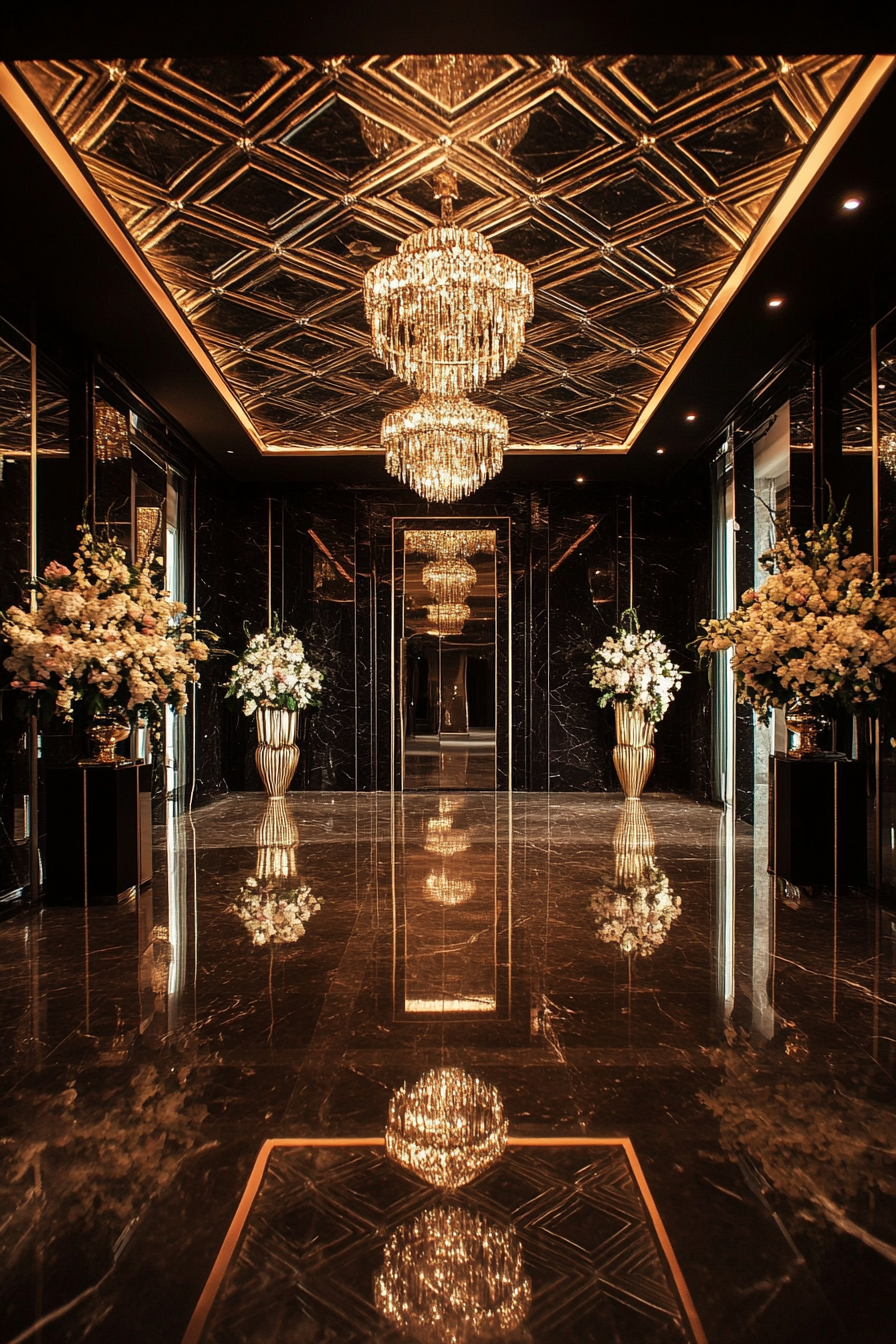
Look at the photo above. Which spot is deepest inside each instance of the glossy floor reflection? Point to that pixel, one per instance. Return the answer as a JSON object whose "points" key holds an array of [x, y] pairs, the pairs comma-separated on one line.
{"points": [[612, 971]]}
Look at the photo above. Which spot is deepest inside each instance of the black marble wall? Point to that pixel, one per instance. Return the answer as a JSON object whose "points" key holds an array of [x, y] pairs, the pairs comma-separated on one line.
{"points": [[327, 552]]}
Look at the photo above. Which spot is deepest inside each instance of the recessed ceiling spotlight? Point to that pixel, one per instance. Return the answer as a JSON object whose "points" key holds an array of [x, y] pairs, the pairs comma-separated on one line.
{"points": [[230, 452], [852, 203], [691, 416], [775, 303], [580, 480], [661, 450]]}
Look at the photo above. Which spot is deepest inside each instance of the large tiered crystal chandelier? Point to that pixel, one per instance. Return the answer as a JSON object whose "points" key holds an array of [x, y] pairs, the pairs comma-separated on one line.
{"points": [[446, 314], [444, 447], [448, 1128]]}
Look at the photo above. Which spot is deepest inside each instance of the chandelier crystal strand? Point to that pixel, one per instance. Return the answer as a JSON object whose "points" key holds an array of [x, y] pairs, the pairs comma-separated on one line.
{"points": [[444, 447], [887, 452]]}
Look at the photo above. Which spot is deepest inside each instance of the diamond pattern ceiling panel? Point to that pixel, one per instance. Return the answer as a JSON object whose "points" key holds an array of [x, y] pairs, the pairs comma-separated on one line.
{"points": [[261, 189]]}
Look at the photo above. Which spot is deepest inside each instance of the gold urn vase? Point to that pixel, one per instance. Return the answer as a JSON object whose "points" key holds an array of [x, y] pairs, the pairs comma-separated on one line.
{"points": [[805, 720], [276, 755], [106, 733], [634, 752]]}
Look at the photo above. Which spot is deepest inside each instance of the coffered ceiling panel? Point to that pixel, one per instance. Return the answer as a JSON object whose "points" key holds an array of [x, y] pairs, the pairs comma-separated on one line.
{"points": [[261, 189]]}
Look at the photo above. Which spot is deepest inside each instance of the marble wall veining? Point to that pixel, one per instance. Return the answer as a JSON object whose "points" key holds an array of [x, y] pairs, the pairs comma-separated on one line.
{"points": [[328, 549]]}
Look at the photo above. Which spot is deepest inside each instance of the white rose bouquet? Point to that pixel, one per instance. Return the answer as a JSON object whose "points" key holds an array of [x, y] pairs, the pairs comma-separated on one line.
{"points": [[103, 633], [818, 628], [634, 666], [274, 673]]}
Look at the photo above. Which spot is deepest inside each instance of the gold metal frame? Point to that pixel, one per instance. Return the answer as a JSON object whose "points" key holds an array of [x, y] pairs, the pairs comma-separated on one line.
{"points": [[230, 1245], [402, 522]]}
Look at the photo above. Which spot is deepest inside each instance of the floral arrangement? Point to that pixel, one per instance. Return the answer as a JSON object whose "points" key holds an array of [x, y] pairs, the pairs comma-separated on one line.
{"points": [[103, 633], [274, 673], [819, 627], [274, 916], [637, 919], [634, 666]]}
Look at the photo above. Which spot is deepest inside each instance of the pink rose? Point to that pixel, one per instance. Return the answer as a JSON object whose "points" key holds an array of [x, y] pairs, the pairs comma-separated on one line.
{"points": [[56, 571]]}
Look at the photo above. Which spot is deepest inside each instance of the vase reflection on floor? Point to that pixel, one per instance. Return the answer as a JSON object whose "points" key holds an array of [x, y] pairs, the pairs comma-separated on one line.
{"points": [[637, 912]]}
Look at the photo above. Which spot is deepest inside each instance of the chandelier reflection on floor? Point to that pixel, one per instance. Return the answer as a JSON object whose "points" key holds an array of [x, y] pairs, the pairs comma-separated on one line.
{"points": [[452, 1277], [449, 890], [637, 912], [447, 1129]]}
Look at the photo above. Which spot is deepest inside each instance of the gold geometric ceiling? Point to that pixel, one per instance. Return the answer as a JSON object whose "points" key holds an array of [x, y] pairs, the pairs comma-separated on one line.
{"points": [[261, 189]]}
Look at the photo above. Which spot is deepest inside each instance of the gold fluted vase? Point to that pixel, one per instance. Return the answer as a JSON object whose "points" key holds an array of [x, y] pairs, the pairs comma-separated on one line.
{"points": [[276, 755], [634, 752]]}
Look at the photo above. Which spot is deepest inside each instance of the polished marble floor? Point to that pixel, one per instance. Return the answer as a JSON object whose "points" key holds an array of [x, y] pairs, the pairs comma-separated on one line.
{"points": [[612, 971]]}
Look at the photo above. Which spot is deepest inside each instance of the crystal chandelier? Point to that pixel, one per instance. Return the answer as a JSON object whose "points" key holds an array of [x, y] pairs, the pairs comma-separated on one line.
{"points": [[447, 313], [449, 890], [447, 1129], [887, 452], [449, 543], [453, 1277], [444, 447], [449, 581], [447, 618], [110, 433]]}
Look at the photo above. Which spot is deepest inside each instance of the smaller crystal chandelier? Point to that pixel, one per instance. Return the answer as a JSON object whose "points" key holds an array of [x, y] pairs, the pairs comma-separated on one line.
{"points": [[444, 447], [887, 452], [448, 618], [453, 1277], [449, 543], [447, 1129], [110, 433], [449, 890], [449, 581]]}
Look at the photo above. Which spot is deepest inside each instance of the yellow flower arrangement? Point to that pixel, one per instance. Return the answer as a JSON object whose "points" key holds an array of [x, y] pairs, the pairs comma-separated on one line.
{"points": [[818, 628], [104, 634]]}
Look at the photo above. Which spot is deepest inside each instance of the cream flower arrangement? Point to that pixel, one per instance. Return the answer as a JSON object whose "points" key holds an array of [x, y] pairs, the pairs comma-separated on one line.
{"points": [[638, 919], [633, 665], [274, 916], [104, 634], [818, 628], [274, 672]]}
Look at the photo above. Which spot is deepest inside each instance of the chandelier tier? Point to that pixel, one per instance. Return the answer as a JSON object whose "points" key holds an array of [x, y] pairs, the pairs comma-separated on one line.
{"points": [[444, 447], [448, 618], [449, 543], [449, 890], [447, 1129], [449, 580], [448, 313]]}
